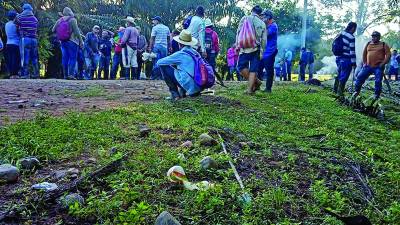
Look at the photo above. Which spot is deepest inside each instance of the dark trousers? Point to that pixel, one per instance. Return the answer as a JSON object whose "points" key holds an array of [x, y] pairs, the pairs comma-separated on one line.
{"points": [[289, 70], [393, 71], [302, 74], [169, 77], [81, 65], [104, 66], [140, 62], [13, 59], [268, 63]]}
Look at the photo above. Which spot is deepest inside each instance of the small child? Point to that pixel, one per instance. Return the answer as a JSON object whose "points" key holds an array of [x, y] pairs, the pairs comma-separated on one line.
{"points": [[105, 47]]}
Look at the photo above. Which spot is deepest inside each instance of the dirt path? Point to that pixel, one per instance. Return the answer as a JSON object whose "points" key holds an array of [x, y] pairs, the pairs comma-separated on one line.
{"points": [[23, 99]]}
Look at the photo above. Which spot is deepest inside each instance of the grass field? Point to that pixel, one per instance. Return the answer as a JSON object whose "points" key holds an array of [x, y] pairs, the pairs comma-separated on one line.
{"points": [[304, 153]]}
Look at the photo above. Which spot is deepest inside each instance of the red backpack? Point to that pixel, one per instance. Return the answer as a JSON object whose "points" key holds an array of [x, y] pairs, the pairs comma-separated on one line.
{"points": [[247, 35], [64, 30]]}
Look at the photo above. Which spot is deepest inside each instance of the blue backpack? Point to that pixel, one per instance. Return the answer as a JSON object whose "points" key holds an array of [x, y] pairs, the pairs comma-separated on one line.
{"points": [[337, 46], [186, 22]]}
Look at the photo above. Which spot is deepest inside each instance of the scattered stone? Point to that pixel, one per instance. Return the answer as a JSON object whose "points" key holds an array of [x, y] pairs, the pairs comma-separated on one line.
{"points": [[241, 137], [144, 131], [113, 151], [8, 173], [61, 174], [45, 186], [147, 98], [20, 106], [165, 218], [207, 140], [71, 199], [187, 144], [39, 90], [29, 163], [243, 145], [208, 163], [91, 160]]}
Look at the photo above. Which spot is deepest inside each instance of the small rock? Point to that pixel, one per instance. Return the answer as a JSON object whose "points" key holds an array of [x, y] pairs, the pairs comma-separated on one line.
{"points": [[60, 174], [241, 137], [17, 102], [165, 218], [29, 163], [207, 140], [39, 90], [113, 151], [208, 163], [73, 171], [20, 106], [8, 173], [144, 131], [187, 144], [45, 186], [71, 199], [91, 160], [243, 145]]}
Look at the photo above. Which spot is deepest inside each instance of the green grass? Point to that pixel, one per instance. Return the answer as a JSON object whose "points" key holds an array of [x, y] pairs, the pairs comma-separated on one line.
{"points": [[298, 165]]}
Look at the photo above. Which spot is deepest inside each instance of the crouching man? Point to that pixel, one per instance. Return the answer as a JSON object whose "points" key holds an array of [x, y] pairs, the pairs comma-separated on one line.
{"points": [[178, 68]]}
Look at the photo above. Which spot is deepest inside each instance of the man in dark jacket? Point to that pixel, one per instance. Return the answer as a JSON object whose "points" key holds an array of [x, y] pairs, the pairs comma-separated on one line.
{"points": [[105, 48], [303, 64], [92, 54]]}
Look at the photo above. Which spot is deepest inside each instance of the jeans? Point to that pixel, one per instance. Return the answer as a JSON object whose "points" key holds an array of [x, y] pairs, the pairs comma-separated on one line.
{"points": [[69, 51], [365, 72], [344, 70], [160, 51], [104, 66], [92, 61], [174, 87], [29, 51], [117, 62], [268, 63], [13, 59], [289, 70]]}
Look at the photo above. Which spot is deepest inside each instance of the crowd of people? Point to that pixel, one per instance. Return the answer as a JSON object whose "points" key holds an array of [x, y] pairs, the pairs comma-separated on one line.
{"points": [[101, 53]]}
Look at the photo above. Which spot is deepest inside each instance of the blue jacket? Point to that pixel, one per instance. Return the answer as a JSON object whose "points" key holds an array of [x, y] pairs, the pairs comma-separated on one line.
{"points": [[105, 46], [185, 69], [91, 44], [303, 57], [272, 40]]}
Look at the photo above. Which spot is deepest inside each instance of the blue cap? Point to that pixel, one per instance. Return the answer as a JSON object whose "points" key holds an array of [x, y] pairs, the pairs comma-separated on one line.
{"points": [[27, 6], [158, 18]]}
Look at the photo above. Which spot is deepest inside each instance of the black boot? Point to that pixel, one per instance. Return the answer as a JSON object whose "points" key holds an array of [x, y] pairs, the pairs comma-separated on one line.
{"points": [[134, 73]]}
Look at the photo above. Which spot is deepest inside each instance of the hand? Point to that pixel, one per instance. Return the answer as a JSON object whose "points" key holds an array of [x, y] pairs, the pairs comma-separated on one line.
{"points": [[204, 54], [170, 49]]}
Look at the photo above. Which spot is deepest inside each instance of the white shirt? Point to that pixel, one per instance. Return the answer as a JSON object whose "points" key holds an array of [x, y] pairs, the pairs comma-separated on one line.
{"points": [[197, 27]]}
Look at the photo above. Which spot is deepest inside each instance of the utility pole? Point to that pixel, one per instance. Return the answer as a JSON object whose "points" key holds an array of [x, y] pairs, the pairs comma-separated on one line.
{"points": [[304, 31]]}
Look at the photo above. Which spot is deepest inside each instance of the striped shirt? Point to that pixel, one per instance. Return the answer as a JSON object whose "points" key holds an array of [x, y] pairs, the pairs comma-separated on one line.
{"points": [[27, 24], [161, 34], [349, 47]]}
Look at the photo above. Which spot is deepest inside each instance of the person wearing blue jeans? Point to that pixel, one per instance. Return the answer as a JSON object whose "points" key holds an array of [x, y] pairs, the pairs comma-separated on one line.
{"points": [[31, 55], [376, 55], [116, 62], [27, 24], [69, 52], [346, 61], [363, 76]]}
